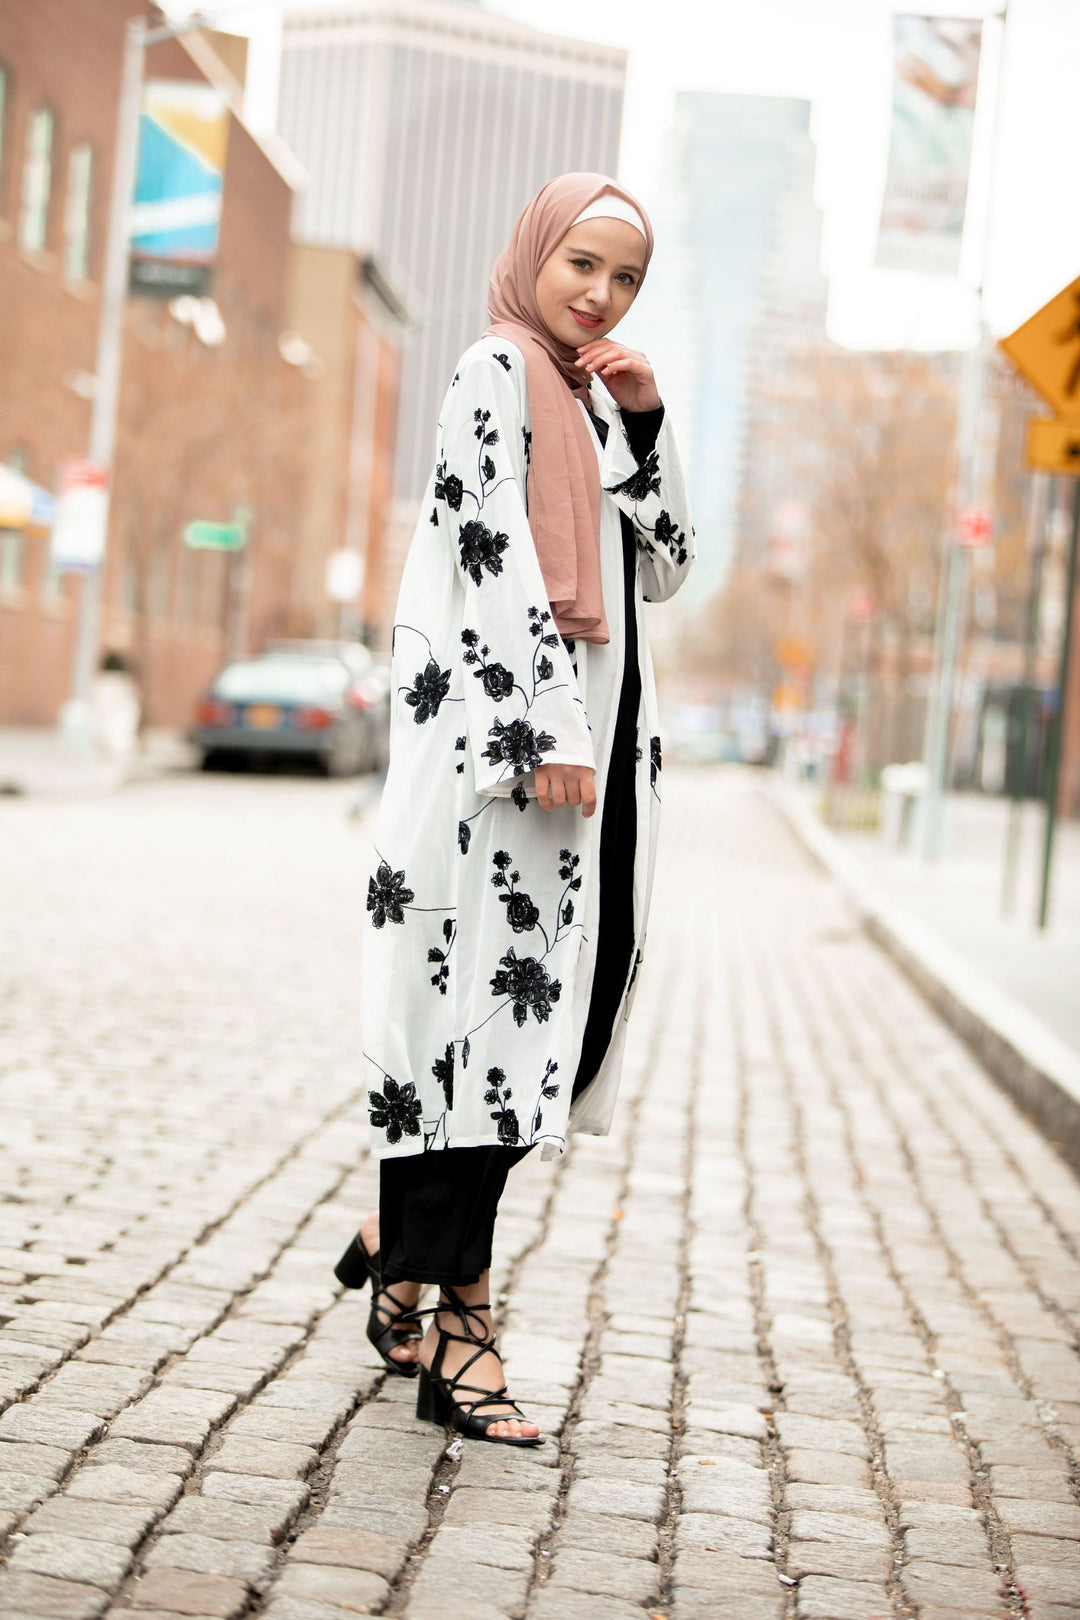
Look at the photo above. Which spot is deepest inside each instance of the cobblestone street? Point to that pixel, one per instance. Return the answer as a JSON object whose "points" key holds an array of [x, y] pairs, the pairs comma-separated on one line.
{"points": [[802, 1332]]}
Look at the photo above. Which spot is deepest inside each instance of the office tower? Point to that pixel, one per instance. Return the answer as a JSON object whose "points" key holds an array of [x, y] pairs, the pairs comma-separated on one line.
{"points": [[738, 282], [425, 126]]}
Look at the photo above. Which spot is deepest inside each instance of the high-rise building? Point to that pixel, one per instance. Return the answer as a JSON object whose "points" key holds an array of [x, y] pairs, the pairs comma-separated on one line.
{"points": [[425, 126], [737, 279]]}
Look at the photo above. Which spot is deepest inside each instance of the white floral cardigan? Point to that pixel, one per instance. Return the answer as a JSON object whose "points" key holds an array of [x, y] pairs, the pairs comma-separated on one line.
{"points": [[479, 957]]}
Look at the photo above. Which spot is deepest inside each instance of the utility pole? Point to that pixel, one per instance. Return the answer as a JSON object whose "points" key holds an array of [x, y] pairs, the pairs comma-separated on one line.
{"points": [[957, 562], [75, 718], [1057, 728]]}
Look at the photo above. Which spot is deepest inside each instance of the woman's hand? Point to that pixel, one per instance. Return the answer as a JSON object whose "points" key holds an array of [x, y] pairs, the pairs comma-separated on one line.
{"points": [[625, 373], [559, 785]]}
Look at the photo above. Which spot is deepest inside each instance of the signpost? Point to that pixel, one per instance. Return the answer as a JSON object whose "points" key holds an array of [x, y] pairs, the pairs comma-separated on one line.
{"points": [[1046, 350], [82, 514]]}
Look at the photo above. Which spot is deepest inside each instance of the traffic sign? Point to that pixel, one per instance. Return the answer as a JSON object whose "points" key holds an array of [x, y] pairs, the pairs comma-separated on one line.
{"points": [[1046, 350], [1054, 446], [82, 515], [974, 526], [204, 536]]}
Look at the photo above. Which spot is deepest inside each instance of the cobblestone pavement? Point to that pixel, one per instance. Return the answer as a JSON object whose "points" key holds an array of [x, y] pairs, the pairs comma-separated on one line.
{"points": [[805, 1326]]}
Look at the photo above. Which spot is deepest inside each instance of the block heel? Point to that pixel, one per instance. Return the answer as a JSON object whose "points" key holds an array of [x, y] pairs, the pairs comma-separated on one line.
{"points": [[354, 1267]]}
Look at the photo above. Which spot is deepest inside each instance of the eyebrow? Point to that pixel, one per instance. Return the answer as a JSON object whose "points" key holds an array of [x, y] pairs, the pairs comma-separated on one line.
{"points": [[590, 253]]}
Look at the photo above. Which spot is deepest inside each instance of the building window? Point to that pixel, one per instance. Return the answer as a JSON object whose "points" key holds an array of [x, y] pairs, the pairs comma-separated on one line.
{"points": [[37, 181], [77, 212]]}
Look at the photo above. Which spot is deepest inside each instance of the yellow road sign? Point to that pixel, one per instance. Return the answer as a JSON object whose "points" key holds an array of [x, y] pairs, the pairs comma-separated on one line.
{"points": [[1046, 350], [1054, 445]]}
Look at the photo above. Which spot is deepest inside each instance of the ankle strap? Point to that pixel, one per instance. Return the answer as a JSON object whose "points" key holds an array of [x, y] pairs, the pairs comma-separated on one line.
{"points": [[451, 1303]]}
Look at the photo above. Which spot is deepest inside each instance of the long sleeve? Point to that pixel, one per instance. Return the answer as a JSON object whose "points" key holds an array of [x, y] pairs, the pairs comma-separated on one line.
{"points": [[647, 484], [522, 705]]}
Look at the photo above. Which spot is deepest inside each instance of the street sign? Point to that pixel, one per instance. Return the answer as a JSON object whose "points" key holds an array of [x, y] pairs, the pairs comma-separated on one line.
{"points": [[1054, 446], [81, 519], [1046, 350], [974, 526], [344, 575], [203, 536]]}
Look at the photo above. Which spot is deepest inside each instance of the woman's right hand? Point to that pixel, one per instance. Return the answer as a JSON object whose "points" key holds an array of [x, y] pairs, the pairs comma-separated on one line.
{"points": [[559, 785]]}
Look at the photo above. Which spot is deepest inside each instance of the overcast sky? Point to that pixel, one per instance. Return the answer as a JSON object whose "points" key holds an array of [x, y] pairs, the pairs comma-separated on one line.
{"points": [[837, 54]]}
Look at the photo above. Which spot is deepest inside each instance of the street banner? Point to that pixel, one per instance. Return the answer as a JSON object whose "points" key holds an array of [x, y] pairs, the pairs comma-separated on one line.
{"points": [[82, 511], [183, 135], [935, 75]]}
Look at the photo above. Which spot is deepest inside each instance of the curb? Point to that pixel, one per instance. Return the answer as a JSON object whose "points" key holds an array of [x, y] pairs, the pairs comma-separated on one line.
{"points": [[1039, 1070]]}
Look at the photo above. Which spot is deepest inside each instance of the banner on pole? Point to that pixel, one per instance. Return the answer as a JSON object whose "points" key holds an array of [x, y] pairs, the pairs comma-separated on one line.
{"points": [[935, 76], [183, 135]]}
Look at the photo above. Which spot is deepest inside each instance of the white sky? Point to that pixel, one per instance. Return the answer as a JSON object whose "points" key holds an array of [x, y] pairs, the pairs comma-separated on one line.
{"points": [[837, 54]]}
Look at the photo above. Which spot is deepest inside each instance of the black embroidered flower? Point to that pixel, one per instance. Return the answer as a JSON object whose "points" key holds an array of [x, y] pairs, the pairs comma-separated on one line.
{"points": [[428, 690], [517, 744], [448, 487], [487, 470], [442, 973], [464, 834], [521, 914], [519, 796], [481, 430], [387, 895], [526, 439], [497, 1096], [669, 534], [443, 1070], [529, 986], [655, 759], [434, 516], [503, 359], [395, 1109], [480, 550], [497, 681], [545, 669], [644, 481]]}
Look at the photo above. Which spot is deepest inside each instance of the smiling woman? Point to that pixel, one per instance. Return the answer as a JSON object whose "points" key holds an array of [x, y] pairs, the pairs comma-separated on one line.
{"points": [[507, 927]]}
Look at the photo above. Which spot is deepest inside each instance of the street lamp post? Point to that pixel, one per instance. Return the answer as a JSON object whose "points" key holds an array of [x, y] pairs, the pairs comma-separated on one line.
{"points": [[75, 719]]}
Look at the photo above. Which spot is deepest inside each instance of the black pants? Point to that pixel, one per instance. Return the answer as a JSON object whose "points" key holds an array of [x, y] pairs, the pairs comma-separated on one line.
{"points": [[437, 1212]]}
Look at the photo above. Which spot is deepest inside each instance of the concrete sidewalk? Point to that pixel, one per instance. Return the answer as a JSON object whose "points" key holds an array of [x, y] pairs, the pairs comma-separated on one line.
{"points": [[38, 761], [959, 897], [801, 1332]]}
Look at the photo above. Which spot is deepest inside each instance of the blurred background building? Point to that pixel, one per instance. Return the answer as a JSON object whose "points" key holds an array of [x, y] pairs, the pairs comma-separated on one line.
{"points": [[424, 127]]}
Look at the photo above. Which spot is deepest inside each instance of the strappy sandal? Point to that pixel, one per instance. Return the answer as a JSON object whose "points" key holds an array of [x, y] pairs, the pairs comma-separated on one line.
{"points": [[386, 1329], [437, 1397]]}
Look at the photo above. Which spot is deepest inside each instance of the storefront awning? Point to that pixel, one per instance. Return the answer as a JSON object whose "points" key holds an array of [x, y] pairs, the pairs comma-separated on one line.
{"points": [[24, 505]]}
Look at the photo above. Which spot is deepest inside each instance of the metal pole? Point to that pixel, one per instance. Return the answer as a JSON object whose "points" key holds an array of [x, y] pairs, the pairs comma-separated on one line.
{"points": [[75, 716], [1038, 516], [1057, 728], [939, 714]]}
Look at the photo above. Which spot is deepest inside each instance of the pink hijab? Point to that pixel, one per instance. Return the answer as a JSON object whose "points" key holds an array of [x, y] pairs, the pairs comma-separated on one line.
{"points": [[564, 480]]}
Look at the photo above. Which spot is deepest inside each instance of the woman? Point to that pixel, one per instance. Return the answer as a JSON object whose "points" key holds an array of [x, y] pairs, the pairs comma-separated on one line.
{"points": [[517, 830]]}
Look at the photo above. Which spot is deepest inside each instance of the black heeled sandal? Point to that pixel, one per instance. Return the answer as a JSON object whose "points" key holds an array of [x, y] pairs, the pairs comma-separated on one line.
{"points": [[384, 1328], [436, 1398]]}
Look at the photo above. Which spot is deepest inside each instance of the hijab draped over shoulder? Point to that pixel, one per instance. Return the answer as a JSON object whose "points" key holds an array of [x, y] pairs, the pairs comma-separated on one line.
{"points": [[564, 479]]}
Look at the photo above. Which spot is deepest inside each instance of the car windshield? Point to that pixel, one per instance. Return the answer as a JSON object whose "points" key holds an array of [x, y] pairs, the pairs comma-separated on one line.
{"points": [[282, 680]]}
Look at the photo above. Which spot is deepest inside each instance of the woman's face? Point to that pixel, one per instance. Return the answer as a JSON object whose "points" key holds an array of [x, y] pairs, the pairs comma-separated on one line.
{"points": [[589, 282]]}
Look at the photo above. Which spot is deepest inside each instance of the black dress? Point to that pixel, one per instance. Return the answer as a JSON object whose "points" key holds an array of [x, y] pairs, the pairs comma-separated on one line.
{"points": [[437, 1210]]}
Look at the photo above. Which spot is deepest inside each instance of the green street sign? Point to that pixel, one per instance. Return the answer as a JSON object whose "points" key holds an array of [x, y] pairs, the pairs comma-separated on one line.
{"points": [[203, 536]]}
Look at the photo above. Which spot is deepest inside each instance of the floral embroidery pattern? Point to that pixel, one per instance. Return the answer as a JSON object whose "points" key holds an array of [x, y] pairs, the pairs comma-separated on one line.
{"points": [[656, 759], [644, 481], [448, 488], [435, 954], [428, 690], [529, 986], [521, 914], [387, 896], [443, 1070], [499, 1094], [396, 1109], [517, 744], [504, 361], [481, 550]]}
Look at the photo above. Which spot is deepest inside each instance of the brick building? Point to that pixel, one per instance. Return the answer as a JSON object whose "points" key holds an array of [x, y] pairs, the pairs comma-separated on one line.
{"points": [[205, 427]]}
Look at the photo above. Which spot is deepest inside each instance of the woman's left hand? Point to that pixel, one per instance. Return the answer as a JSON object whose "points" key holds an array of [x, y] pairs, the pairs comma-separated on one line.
{"points": [[625, 373]]}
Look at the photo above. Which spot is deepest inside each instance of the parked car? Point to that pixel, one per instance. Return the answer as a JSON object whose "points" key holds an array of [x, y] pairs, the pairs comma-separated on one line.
{"points": [[289, 705], [372, 695]]}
